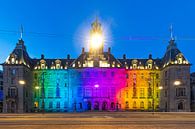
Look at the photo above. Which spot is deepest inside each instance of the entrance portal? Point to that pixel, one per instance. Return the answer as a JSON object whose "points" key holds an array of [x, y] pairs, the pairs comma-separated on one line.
{"points": [[96, 105], [88, 105], [104, 106]]}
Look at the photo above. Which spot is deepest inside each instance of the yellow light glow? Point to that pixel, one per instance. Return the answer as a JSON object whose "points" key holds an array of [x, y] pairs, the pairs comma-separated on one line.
{"points": [[160, 88], [22, 82], [37, 87], [96, 40], [177, 83]]}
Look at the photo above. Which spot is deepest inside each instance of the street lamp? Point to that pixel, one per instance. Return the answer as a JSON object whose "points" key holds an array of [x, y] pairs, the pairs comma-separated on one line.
{"points": [[152, 74], [177, 83], [160, 87], [22, 82], [43, 91], [37, 96], [37, 87]]}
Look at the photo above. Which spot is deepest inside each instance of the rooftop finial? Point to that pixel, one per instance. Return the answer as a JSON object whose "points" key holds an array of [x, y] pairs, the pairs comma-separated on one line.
{"points": [[21, 31], [171, 32]]}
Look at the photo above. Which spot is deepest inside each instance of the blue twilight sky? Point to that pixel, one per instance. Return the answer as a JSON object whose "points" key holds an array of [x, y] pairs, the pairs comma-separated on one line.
{"points": [[135, 27]]}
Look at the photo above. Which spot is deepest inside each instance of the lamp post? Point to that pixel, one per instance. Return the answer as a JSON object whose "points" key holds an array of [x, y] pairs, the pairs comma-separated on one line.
{"points": [[22, 83], [37, 88], [43, 91], [160, 89], [152, 74]]}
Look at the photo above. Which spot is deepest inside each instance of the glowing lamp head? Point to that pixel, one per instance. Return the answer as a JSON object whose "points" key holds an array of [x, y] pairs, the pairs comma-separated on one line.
{"points": [[160, 88], [96, 40], [177, 83], [96, 86], [36, 87], [22, 82]]}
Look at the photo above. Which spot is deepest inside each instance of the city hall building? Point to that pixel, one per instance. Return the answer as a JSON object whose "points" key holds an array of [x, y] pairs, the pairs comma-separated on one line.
{"points": [[96, 81]]}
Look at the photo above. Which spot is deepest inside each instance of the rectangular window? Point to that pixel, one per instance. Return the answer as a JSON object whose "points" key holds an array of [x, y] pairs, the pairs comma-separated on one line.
{"points": [[79, 92], [66, 104], [157, 76], [50, 92], [180, 92], [58, 105], [113, 92], [50, 104], [13, 72], [12, 92], [134, 92], [142, 92], [165, 93], [88, 92], [127, 94], [65, 94], [165, 74]]}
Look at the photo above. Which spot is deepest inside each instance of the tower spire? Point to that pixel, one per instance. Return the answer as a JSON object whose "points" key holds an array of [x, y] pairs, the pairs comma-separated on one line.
{"points": [[21, 31], [171, 32]]}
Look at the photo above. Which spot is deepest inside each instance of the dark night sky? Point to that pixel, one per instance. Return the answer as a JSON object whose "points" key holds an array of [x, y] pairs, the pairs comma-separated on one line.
{"points": [[135, 27]]}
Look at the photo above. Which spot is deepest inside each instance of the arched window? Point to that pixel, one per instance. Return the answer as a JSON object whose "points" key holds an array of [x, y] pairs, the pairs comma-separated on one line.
{"points": [[57, 90], [149, 104], [149, 92], [126, 104], [134, 92], [142, 104], [127, 94], [134, 104], [58, 105], [50, 104], [134, 64]]}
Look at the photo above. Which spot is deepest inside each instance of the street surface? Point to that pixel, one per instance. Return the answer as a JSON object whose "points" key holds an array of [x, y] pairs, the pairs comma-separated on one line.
{"points": [[99, 120]]}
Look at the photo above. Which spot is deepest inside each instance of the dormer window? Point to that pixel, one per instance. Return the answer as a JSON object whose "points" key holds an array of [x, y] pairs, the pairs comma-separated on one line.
{"points": [[149, 64], [180, 60], [58, 64], [43, 64], [134, 64], [12, 60]]}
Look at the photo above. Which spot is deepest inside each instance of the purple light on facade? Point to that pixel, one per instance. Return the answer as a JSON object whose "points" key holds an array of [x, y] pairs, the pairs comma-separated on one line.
{"points": [[96, 86]]}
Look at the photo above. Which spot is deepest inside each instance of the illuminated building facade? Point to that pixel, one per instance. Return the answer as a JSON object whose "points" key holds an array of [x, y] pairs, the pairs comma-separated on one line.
{"points": [[96, 81]]}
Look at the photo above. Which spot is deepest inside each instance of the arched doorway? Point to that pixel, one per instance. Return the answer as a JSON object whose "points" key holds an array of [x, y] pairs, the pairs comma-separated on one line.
{"points": [[96, 105], [180, 106], [88, 105], [104, 106], [112, 105], [11, 107], [126, 105]]}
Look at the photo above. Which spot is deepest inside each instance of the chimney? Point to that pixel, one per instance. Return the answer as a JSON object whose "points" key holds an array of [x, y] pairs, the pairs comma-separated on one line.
{"points": [[124, 56], [83, 50], [68, 56], [150, 56], [42, 56], [109, 50]]}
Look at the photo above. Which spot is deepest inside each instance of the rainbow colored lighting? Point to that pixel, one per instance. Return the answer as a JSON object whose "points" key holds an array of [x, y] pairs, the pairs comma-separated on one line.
{"points": [[95, 89]]}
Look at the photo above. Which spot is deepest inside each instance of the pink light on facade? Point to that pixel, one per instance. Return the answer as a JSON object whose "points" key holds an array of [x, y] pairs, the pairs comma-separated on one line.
{"points": [[96, 85]]}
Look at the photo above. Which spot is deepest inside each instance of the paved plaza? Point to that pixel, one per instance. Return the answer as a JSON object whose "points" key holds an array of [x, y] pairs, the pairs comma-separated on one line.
{"points": [[99, 120]]}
